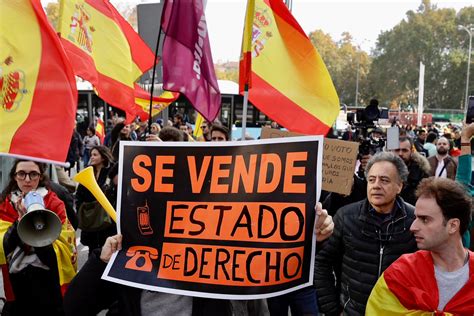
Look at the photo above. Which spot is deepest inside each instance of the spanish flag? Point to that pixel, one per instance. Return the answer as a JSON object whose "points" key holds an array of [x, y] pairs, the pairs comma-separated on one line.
{"points": [[142, 100], [408, 287], [104, 49], [285, 75], [38, 95], [100, 130]]}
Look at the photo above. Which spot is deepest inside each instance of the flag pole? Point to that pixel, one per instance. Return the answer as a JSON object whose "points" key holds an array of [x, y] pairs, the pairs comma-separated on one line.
{"points": [[154, 74], [244, 111]]}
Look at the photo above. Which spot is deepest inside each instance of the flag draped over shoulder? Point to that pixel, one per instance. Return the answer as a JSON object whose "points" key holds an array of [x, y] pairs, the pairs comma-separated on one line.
{"points": [[64, 247], [38, 95], [408, 287], [286, 77], [187, 59], [104, 49], [142, 100]]}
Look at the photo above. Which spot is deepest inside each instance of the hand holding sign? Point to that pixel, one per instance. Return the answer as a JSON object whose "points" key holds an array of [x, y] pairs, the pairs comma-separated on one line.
{"points": [[111, 245], [324, 224]]}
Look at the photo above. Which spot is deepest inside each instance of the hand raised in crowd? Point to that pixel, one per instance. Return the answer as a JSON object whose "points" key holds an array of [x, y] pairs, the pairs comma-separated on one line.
{"points": [[117, 119], [467, 132], [112, 244], [324, 223], [153, 138]]}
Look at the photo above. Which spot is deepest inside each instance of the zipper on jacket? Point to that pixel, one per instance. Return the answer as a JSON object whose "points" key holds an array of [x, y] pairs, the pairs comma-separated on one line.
{"points": [[348, 298], [393, 222], [380, 260]]}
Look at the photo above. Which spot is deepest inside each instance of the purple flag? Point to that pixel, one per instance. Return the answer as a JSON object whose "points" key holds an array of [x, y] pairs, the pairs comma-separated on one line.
{"points": [[187, 59]]}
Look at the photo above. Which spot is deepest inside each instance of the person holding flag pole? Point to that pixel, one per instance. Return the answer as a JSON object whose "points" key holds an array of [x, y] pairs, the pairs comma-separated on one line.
{"points": [[304, 100]]}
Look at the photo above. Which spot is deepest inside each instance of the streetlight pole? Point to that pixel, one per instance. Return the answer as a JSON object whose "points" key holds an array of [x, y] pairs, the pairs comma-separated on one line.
{"points": [[357, 80], [358, 55], [469, 30]]}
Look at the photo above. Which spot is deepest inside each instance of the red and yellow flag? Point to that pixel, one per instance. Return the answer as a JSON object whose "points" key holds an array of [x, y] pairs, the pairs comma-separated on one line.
{"points": [[409, 287], [104, 49], [38, 95], [142, 100], [100, 130], [286, 77], [64, 247]]}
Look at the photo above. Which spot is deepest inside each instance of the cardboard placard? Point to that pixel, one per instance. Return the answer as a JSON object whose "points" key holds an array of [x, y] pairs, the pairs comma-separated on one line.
{"points": [[339, 160], [231, 220]]}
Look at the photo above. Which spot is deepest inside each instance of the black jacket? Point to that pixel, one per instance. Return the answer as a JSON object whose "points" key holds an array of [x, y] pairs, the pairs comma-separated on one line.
{"points": [[88, 294], [360, 249], [97, 238], [418, 169]]}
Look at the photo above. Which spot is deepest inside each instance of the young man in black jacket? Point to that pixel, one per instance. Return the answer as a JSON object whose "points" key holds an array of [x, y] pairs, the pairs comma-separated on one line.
{"points": [[368, 236]]}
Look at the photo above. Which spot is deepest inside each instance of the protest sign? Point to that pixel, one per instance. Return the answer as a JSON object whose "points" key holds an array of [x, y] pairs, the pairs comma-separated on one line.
{"points": [[339, 160], [229, 220]]}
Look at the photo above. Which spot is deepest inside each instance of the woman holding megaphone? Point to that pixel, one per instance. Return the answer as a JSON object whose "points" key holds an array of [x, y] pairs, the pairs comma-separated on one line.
{"points": [[37, 252]]}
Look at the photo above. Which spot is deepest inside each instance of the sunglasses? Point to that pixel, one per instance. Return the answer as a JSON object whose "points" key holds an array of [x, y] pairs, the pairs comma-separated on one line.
{"points": [[33, 175]]}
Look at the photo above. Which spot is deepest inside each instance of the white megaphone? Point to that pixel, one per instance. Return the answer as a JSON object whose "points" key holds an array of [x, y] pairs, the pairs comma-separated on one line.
{"points": [[39, 227]]}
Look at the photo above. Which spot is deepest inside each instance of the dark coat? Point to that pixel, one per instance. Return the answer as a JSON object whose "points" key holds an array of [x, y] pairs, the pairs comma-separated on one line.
{"points": [[360, 249], [75, 149], [418, 169], [94, 239], [64, 195], [334, 201]]}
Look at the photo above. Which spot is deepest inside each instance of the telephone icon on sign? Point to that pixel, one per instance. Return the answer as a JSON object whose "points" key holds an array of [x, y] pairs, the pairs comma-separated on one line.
{"points": [[143, 214], [141, 258]]}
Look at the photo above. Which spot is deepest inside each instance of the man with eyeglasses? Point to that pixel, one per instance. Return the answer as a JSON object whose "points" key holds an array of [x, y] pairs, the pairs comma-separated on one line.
{"points": [[368, 236], [206, 133], [418, 168]]}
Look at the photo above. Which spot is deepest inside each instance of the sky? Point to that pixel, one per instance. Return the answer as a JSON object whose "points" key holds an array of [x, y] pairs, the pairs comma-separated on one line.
{"points": [[364, 20]]}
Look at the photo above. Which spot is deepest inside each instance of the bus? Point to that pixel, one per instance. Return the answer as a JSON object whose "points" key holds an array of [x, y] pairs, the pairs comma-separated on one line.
{"points": [[230, 114]]}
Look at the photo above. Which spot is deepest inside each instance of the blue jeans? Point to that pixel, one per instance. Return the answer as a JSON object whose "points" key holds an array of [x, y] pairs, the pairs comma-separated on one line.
{"points": [[86, 157], [301, 302]]}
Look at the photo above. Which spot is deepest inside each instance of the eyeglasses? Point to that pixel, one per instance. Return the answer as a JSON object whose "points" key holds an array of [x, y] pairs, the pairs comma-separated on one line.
{"points": [[203, 127], [33, 175]]}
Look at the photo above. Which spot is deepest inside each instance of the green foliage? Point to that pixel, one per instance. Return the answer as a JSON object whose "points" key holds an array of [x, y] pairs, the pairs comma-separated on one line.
{"points": [[391, 73], [342, 60], [429, 35]]}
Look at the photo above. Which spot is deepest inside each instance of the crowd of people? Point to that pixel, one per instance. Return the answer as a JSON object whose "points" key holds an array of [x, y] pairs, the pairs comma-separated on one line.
{"points": [[410, 207]]}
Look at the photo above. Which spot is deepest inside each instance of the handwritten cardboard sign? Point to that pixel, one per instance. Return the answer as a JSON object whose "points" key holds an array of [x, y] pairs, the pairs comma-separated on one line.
{"points": [[339, 160], [222, 220]]}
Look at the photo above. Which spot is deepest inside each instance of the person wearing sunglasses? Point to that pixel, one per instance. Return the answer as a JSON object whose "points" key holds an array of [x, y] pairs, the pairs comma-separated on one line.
{"points": [[34, 278]]}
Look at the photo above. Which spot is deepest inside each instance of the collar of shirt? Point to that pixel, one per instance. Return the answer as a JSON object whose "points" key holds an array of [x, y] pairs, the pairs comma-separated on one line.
{"points": [[385, 217]]}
